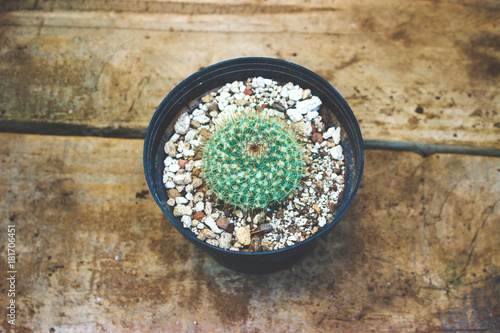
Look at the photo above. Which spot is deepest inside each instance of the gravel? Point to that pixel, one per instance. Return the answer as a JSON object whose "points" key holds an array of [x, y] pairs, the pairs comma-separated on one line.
{"points": [[298, 218]]}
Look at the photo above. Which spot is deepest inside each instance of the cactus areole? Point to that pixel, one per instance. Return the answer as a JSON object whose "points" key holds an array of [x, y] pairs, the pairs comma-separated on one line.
{"points": [[252, 160]]}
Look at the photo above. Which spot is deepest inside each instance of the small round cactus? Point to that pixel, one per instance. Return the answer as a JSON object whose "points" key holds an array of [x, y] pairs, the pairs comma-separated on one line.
{"points": [[252, 160]]}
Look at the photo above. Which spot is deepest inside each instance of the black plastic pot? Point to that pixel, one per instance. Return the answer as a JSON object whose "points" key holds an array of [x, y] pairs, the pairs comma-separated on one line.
{"points": [[161, 129]]}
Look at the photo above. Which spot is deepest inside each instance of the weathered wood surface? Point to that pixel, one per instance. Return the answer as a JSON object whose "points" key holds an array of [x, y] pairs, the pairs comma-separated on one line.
{"points": [[412, 71], [417, 250]]}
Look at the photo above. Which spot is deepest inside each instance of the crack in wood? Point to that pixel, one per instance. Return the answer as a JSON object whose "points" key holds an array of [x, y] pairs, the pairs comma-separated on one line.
{"points": [[487, 211], [144, 80], [122, 132]]}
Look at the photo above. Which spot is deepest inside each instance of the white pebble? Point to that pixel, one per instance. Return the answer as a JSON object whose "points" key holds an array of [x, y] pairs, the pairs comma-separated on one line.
{"points": [[189, 152], [198, 112], [189, 196], [183, 178], [336, 136], [200, 206], [169, 185], [181, 200], [182, 125], [308, 105], [284, 92], [186, 221], [329, 133], [180, 210], [202, 119], [174, 167], [321, 221], [294, 115], [210, 222], [311, 115], [180, 146], [175, 137], [195, 143], [208, 208], [295, 94], [336, 152], [168, 161]]}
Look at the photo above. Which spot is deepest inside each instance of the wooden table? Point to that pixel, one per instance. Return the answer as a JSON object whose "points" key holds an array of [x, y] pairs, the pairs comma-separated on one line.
{"points": [[418, 250]]}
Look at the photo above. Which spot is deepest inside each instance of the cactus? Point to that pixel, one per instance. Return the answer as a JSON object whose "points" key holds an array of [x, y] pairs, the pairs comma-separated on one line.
{"points": [[252, 160]]}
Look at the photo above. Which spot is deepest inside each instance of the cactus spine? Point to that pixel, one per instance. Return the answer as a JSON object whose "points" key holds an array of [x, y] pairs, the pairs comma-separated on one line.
{"points": [[252, 160]]}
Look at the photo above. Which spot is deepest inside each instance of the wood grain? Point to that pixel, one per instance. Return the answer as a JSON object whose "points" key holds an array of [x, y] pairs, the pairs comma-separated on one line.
{"points": [[417, 250], [411, 71]]}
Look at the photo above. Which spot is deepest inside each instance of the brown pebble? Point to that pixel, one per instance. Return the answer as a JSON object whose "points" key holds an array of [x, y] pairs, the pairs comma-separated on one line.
{"points": [[198, 216], [278, 106], [240, 102], [255, 245], [207, 98], [319, 186], [204, 133], [170, 149], [173, 193], [332, 205], [214, 106], [267, 245], [317, 137], [316, 208], [230, 228], [206, 233], [320, 126], [330, 144], [223, 222], [195, 123], [306, 93], [313, 128], [280, 214], [243, 236], [227, 211], [182, 163], [196, 182], [262, 229]]}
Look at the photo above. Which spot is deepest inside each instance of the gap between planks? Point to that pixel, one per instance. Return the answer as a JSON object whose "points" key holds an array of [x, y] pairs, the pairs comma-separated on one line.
{"points": [[46, 128]]}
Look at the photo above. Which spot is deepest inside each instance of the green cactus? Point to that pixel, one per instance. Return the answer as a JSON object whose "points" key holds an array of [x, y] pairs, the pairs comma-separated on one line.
{"points": [[252, 160]]}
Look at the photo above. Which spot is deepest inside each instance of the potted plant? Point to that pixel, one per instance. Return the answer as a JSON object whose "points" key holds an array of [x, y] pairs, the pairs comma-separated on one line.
{"points": [[232, 147]]}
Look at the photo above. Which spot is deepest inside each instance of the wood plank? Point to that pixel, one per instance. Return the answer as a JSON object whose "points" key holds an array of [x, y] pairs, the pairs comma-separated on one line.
{"points": [[417, 250], [198, 6], [411, 71]]}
